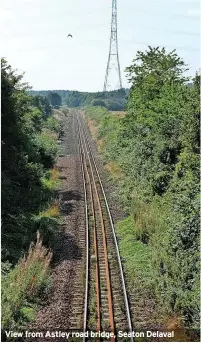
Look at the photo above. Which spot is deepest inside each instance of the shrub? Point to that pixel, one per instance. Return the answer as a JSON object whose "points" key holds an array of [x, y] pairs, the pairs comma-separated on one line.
{"points": [[48, 149], [50, 180], [52, 124]]}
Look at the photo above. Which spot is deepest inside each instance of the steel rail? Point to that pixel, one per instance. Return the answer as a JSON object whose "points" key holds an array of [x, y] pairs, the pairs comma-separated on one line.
{"points": [[87, 240], [95, 245], [111, 314], [115, 240]]}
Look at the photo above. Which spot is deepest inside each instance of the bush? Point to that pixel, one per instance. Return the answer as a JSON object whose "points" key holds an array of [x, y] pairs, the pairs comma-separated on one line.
{"points": [[50, 180], [48, 149], [52, 124], [114, 105], [98, 102]]}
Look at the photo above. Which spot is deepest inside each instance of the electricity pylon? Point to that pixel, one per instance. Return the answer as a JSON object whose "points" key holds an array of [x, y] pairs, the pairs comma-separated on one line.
{"points": [[113, 58]]}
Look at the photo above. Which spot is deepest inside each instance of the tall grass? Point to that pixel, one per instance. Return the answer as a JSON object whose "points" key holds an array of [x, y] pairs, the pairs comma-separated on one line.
{"points": [[136, 256], [53, 211], [147, 218], [22, 286], [50, 180]]}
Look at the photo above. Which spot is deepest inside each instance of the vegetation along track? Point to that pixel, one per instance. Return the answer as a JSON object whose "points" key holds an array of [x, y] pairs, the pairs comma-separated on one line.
{"points": [[106, 307]]}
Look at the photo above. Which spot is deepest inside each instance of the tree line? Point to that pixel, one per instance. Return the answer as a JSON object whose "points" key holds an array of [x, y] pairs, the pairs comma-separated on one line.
{"points": [[153, 154], [29, 198], [112, 100]]}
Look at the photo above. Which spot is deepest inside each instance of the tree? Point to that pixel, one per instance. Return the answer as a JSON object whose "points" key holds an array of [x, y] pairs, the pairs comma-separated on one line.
{"points": [[26, 155], [160, 132], [55, 99], [42, 103], [98, 102], [113, 105]]}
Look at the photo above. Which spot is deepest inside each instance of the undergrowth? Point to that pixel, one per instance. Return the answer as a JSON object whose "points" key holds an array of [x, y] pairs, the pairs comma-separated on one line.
{"points": [[22, 286], [136, 256]]}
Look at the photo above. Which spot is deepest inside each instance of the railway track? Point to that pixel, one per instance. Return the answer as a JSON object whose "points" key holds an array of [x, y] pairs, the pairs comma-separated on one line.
{"points": [[106, 307]]}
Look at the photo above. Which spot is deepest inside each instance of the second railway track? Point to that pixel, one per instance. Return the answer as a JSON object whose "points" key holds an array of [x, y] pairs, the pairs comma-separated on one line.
{"points": [[106, 307]]}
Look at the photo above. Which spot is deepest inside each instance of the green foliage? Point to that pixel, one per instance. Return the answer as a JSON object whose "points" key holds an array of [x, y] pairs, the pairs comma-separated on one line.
{"points": [[156, 148], [98, 102], [29, 148], [28, 313], [22, 285], [137, 256], [49, 182], [96, 113], [55, 99], [113, 100], [43, 104], [162, 121], [48, 149], [52, 124], [114, 105]]}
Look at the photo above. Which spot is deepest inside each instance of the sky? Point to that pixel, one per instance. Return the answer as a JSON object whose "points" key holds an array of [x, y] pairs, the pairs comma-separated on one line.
{"points": [[34, 38]]}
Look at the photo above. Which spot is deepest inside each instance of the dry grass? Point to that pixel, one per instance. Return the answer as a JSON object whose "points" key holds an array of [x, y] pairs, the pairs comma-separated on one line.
{"points": [[114, 169], [57, 114], [54, 174], [147, 218], [49, 134], [52, 211], [100, 144], [51, 181], [92, 127], [21, 286], [144, 217], [52, 135], [37, 255], [175, 324], [65, 110]]}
